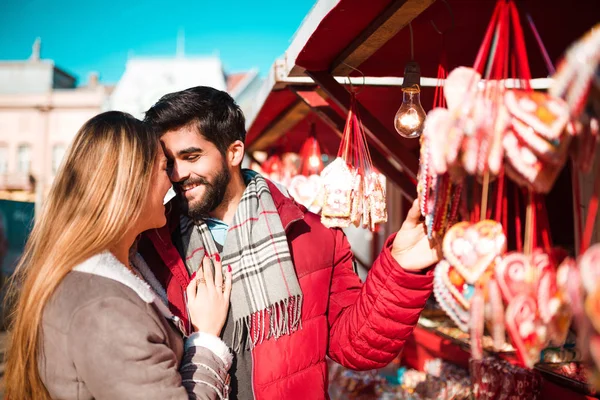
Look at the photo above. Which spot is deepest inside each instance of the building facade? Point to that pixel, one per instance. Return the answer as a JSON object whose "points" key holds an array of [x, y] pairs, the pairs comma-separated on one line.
{"points": [[42, 108]]}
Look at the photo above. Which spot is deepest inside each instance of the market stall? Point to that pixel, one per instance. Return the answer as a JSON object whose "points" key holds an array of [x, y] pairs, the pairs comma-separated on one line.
{"points": [[495, 153]]}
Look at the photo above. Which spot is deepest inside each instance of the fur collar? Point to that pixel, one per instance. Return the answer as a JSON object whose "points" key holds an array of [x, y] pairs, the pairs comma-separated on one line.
{"points": [[108, 266]]}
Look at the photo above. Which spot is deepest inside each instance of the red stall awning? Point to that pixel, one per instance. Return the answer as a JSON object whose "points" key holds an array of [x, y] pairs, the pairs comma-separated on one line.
{"points": [[309, 84]]}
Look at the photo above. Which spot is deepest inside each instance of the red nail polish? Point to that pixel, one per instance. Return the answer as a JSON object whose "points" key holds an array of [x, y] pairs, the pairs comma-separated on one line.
{"points": [[229, 268], [193, 276], [217, 257]]}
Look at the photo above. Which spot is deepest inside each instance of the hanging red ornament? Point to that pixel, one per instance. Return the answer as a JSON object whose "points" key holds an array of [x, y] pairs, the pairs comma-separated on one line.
{"points": [[312, 163], [273, 167]]}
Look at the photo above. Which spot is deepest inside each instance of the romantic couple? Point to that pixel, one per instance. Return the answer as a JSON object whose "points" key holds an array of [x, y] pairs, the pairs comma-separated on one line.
{"points": [[230, 290]]}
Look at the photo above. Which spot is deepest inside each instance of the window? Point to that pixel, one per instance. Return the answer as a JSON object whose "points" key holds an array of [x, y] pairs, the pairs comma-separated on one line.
{"points": [[24, 159], [58, 152], [3, 159]]}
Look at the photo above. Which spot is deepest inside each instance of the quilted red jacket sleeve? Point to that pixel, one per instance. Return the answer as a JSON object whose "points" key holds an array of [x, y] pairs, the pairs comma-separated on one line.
{"points": [[370, 322]]}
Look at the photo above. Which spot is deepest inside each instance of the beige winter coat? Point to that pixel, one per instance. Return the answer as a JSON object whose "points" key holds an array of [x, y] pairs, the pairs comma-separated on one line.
{"points": [[106, 334]]}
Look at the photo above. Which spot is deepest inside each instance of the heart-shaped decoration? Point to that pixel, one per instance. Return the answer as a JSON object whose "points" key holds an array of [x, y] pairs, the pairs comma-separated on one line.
{"points": [[592, 309], [472, 248], [559, 324], [453, 294], [547, 115], [305, 189], [547, 289], [554, 307], [526, 330], [589, 267], [554, 153], [572, 82], [524, 166], [477, 125], [568, 279], [461, 83], [515, 275], [437, 133]]}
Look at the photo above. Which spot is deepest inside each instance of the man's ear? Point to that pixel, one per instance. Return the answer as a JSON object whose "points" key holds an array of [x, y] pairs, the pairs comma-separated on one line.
{"points": [[235, 153]]}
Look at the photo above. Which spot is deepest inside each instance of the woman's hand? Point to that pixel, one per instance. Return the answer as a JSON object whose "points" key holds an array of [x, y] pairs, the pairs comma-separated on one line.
{"points": [[208, 297]]}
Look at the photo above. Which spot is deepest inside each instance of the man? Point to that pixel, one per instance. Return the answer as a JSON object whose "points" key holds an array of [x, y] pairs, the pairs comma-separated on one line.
{"points": [[295, 296]]}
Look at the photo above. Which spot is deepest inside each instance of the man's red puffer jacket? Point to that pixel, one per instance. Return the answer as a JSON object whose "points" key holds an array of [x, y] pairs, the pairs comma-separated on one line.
{"points": [[361, 326]]}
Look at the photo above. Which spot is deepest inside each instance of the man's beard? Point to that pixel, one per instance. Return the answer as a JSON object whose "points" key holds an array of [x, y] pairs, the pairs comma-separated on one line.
{"points": [[214, 193]]}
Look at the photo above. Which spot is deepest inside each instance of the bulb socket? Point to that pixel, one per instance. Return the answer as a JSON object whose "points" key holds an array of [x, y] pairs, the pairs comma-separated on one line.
{"points": [[412, 75]]}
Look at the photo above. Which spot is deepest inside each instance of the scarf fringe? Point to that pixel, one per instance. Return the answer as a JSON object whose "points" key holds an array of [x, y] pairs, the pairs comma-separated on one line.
{"points": [[279, 319]]}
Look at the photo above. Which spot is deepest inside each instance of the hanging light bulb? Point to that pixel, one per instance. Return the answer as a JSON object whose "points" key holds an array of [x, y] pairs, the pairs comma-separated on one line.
{"points": [[410, 118], [314, 161]]}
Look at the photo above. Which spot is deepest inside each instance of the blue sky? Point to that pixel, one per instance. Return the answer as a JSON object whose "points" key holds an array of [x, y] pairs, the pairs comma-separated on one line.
{"points": [[91, 35]]}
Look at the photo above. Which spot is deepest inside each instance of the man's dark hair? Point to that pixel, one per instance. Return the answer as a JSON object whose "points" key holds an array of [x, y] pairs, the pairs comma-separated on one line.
{"points": [[214, 112]]}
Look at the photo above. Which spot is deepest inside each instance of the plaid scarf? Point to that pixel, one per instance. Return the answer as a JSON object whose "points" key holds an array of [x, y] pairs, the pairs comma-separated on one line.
{"points": [[266, 297]]}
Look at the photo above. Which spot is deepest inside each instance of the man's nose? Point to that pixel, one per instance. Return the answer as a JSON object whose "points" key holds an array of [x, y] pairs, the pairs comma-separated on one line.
{"points": [[178, 173]]}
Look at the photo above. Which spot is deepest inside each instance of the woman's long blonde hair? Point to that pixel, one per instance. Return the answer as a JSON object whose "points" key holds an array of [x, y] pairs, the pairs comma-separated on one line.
{"points": [[96, 197]]}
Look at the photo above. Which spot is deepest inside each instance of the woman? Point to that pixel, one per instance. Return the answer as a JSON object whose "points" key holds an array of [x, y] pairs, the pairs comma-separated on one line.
{"points": [[86, 325]]}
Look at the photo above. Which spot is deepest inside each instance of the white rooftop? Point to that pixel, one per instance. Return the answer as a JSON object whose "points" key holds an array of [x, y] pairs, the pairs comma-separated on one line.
{"points": [[147, 79]]}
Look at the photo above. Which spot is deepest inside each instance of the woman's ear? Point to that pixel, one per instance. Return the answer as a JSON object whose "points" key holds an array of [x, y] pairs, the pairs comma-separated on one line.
{"points": [[235, 153]]}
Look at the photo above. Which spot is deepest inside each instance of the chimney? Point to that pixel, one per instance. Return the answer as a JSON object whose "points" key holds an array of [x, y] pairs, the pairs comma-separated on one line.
{"points": [[93, 80], [36, 49]]}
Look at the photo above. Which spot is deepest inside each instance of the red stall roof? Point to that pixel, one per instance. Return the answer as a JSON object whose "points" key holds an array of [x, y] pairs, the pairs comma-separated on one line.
{"points": [[306, 86]]}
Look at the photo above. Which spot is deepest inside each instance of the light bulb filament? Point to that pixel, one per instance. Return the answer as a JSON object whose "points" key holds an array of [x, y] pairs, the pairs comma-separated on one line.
{"points": [[314, 161], [410, 119]]}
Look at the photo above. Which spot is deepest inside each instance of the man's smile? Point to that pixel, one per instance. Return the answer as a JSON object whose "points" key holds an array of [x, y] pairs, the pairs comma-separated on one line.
{"points": [[190, 186]]}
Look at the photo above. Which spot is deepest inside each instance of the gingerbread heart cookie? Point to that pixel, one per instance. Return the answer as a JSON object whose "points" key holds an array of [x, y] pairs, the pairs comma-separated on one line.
{"points": [[569, 281], [305, 189], [552, 152], [592, 309], [524, 166], [472, 248], [547, 288], [461, 83], [515, 275], [453, 294], [526, 330], [547, 115], [589, 267]]}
